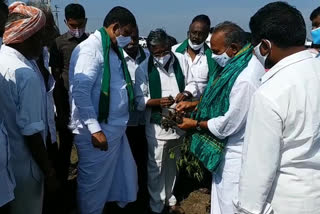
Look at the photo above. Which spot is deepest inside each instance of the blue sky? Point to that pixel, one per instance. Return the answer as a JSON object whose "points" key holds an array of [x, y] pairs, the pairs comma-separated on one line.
{"points": [[175, 15]]}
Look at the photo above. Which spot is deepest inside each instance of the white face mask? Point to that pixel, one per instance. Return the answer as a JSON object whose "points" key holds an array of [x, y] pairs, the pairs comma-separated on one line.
{"points": [[78, 32], [258, 54], [163, 60], [123, 41], [221, 59], [195, 46]]}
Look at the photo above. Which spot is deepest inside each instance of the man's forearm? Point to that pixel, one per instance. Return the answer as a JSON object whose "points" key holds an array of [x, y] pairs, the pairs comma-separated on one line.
{"points": [[39, 152], [153, 102]]}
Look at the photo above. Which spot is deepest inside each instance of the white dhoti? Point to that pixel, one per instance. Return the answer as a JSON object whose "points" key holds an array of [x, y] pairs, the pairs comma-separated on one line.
{"points": [[162, 172], [105, 175], [225, 183]]}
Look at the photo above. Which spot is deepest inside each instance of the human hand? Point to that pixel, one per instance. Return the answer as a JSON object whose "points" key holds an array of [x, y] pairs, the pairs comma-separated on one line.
{"points": [[187, 123], [166, 102], [183, 106], [99, 141]]}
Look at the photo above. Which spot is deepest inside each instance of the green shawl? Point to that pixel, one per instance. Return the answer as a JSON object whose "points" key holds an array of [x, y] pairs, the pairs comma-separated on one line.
{"points": [[155, 85], [212, 65], [215, 103], [105, 86]]}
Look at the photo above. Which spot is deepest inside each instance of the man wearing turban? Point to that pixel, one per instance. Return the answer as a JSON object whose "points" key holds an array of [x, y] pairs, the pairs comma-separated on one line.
{"points": [[23, 108]]}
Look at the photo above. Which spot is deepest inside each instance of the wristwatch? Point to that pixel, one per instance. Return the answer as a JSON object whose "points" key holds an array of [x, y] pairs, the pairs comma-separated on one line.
{"points": [[198, 127]]}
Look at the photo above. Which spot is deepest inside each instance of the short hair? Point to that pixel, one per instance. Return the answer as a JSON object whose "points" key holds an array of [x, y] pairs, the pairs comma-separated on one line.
{"points": [[172, 41], [280, 23], [158, 37], [120, 15], [315, 13], [233, 33], [203, 19], [74, 11]]}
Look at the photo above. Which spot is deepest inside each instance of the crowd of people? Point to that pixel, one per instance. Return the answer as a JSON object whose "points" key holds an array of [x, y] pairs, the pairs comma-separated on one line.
{"points": [[249, 106]]}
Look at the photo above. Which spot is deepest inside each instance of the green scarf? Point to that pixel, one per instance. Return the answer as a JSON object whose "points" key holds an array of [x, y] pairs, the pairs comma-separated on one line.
{"points": [[155, 85], [142, 55], [104, 101], [215, 103], [212, 65]]}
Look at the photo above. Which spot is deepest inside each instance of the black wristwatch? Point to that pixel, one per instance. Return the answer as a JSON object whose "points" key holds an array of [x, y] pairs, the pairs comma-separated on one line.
{"points": [[198, 127]]}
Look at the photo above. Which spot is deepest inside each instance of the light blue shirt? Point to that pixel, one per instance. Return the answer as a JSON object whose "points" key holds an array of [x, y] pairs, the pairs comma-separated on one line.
{"points": [[21, 111], [85, 78]]}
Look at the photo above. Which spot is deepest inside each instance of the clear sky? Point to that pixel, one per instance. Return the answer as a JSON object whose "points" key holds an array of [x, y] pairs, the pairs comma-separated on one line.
{"points": [[175, 15]]}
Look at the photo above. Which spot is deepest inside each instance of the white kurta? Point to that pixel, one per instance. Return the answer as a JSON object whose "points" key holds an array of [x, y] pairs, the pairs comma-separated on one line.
{"points": [[232, 125], [198, 67], [22, 110], [161, 168], [103, 175], [281, 158]]}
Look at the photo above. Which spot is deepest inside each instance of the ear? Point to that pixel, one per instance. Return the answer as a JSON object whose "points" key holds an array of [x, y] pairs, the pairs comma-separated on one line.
{"points": [[265, 47], [234, 48], [116, 29]]}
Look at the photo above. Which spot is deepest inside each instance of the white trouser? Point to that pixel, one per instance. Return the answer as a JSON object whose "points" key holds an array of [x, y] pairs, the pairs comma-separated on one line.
{"points": [[162, 171], [225, 183]]}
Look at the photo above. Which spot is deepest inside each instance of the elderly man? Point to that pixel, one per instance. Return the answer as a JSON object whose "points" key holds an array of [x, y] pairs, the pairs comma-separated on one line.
{"points": [[196, 52], [221, 115], [22, 107], [6, 176], [159, 80], [281, 160], [102, 95]]}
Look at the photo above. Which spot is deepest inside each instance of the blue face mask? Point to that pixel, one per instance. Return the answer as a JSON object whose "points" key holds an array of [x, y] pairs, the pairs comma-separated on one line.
{"points": [[316, 36]]}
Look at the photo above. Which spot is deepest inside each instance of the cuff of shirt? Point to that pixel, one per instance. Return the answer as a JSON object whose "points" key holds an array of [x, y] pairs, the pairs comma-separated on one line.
{"points": [[32, 128], [93, 126], [142, 104], [212, 128]]}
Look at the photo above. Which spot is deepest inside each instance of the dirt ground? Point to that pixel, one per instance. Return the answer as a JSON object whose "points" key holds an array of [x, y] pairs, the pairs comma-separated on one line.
{"points": [[196, 203]]}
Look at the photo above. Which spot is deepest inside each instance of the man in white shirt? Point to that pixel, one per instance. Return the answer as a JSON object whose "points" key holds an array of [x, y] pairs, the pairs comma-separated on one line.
{"points": [[196, 52], [227, 100], [22, 108], [101, 97], [134, 55], [157, 79], [281, 159]]}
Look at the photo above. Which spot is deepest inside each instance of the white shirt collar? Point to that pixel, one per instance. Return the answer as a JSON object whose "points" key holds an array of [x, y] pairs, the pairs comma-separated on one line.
{"points": [[11, 51], [289, 60]]}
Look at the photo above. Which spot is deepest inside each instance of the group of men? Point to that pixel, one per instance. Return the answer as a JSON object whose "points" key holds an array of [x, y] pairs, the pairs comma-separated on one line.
{"points": [[254, 102]]}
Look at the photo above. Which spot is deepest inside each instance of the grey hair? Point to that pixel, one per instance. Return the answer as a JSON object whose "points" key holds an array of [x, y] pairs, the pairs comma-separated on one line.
{"points": [[158, 37], [233, 33]]}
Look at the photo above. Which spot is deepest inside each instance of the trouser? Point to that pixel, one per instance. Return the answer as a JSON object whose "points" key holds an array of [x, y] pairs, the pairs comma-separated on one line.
{"points": [[162, 172], [29, 188], [138, 144]]}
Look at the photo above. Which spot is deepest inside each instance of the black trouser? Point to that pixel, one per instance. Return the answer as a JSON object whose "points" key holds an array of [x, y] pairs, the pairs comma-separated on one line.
{"points": [[5, 209], [138, 144], [68, 191]]}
